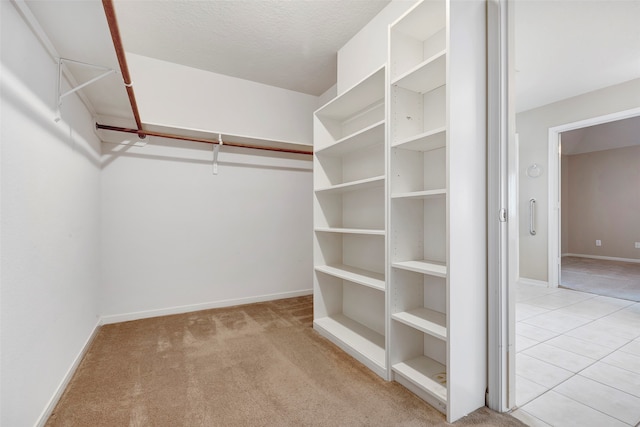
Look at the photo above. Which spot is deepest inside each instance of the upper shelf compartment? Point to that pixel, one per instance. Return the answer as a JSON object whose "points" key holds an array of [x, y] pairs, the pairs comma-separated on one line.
{"points": [[417, 37], [426, 76], [352, 114]]}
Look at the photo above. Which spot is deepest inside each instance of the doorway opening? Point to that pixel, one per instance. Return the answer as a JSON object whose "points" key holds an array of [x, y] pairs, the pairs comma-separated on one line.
{"points": [[591, 195]]}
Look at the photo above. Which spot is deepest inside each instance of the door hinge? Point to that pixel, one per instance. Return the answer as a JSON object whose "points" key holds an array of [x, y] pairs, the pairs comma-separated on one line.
{"points": [[502, 215]]}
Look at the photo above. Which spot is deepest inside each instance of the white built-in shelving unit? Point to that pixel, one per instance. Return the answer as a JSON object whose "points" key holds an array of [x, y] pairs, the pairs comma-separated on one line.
{"points": [[436, 140], [350, 222], [399, 209]]}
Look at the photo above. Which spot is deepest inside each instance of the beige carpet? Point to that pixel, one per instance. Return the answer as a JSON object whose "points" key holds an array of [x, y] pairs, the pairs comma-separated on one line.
{"points": [[253, 365], [614, 279]]}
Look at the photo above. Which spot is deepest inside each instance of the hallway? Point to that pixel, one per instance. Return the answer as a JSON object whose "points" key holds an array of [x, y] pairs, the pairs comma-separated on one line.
{"points": [[578, 358]]}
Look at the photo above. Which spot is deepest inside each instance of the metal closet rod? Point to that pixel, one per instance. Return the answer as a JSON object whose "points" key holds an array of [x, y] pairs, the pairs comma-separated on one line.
{"points": [[202, 140], [110, 13]]}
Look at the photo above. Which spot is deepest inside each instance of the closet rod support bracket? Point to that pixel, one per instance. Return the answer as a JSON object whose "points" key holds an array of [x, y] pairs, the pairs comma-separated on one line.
{"points": [[61, 95]]}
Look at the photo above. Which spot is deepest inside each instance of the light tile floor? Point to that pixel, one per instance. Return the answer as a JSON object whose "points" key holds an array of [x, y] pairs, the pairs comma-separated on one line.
{"points": [[577, 359]]}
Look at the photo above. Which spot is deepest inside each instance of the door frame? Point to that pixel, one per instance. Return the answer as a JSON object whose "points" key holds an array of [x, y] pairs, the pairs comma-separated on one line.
{"points": [[502, 219], [555, 179]]}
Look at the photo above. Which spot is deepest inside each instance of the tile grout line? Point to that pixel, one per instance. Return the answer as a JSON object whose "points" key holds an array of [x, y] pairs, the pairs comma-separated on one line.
{"points": [[590, 321]]}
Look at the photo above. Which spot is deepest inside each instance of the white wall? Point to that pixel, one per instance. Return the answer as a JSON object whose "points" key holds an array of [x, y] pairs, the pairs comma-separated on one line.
{"points": [[180, 96], [50, 227], [176, 237], [533, 128], [367, 50]]}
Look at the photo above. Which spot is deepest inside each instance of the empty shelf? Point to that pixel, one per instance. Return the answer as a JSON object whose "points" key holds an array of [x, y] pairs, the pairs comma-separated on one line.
{"points": [[362, 184], [427, 374], [428, 321], [370, 135], [426, 141], [420, 194], [423, 266], [356, 339], [364, 93], [368, 231], [355, 275], [426, 76]]}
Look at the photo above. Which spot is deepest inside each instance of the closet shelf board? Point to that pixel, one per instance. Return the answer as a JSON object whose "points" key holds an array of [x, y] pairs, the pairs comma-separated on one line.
{"points": [[426, 76], [368, 136], [351, 231], [356, 339], [426, 141], [422, 372], [355, 275], [423, 266], [428, 194], [363, 94], [362, 184], [428, 321]]}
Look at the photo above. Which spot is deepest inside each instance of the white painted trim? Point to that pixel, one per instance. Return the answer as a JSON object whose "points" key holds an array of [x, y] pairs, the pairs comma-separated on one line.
{"points": [[608, 258], [533, 282], [48, 410], [554, 177], [500, 187], [125, 317]]}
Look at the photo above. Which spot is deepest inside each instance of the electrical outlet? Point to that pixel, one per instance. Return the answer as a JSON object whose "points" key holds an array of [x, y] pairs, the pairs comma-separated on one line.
{"points": [[637, 245], [598, 242]]}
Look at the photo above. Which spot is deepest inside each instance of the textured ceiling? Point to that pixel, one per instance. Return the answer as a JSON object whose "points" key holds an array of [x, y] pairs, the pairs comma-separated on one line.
{"points": [[289, 44], [563, 48], [566, 48]]}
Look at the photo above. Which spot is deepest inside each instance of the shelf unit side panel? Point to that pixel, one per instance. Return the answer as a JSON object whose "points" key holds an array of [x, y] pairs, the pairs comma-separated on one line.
{"points": [[365, 306], [467, 207], [365, 252]]}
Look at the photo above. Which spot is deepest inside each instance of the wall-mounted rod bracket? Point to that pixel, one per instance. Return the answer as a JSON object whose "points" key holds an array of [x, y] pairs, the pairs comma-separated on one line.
{"points": [[216, 150], [61, 95]]}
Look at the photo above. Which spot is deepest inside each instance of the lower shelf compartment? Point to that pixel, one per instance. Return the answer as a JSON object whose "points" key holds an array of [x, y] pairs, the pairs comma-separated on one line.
{"points": [[364, 344], [428, 376]]}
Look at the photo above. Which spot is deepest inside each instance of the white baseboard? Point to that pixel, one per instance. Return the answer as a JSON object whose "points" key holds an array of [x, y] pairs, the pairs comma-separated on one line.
{"points": [[116, 318], [532, 282], [48, 410], [608, 258]]}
